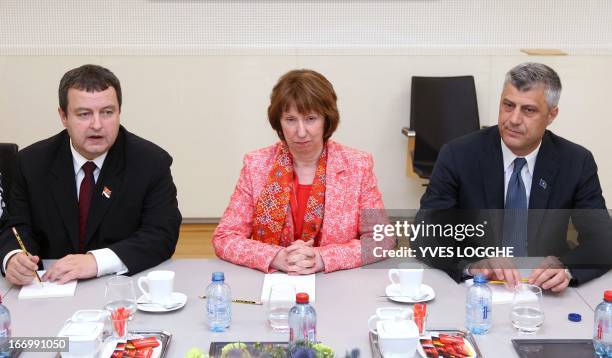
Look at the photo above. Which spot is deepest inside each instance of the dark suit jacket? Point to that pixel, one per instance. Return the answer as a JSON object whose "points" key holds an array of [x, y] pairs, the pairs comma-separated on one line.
{"points": [[7, 162], [469, 174], [139, 222]]}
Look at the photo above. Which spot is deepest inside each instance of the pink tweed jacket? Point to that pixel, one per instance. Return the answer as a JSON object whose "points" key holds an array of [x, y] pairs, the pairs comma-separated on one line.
{"points": [[350, 187]]}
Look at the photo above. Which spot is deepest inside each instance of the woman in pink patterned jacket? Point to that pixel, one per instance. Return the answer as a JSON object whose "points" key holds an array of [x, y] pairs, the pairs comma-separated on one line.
{"points": [[300, 205]]}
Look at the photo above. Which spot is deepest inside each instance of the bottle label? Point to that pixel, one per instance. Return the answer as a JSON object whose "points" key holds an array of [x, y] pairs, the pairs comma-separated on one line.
{"points": [[3, 333], [599, 330], [485, 311], [311, 335]]}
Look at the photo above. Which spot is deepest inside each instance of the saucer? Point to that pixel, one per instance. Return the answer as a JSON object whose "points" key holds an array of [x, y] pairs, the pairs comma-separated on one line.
{"points": [[393, 293], [177, 301]]}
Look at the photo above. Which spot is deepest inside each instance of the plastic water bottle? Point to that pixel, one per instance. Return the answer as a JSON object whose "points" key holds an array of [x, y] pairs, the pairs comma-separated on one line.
{"points": [[218, 303], [602, 330], [478, 306], [302, 320], [5, 327]]}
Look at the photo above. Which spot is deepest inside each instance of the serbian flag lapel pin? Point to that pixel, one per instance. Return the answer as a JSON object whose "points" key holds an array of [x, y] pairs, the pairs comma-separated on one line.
{"points": [[106, 192]]}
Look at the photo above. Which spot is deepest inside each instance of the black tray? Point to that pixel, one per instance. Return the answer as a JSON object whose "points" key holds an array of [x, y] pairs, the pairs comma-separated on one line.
{"points": [[557, 348]]}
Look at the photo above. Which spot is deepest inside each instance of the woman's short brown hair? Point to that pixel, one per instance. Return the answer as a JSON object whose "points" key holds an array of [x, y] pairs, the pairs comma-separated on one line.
{"points": [[309, 91]]}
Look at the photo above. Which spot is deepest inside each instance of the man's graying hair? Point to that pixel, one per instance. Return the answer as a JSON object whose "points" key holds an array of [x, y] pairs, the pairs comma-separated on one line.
{"points": [[529, 75]]}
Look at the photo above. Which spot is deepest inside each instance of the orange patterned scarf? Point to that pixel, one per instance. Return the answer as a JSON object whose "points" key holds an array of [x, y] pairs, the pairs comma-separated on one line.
{"points": [[272, 221]]}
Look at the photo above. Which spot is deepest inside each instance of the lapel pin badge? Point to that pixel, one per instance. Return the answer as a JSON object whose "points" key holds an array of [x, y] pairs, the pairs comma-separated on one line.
{"points": [[543, 183], [106, 192]]}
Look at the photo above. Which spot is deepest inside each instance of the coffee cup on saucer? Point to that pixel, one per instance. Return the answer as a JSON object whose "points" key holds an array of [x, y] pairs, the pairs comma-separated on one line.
{"points": [[408, 280], [159, 285]]}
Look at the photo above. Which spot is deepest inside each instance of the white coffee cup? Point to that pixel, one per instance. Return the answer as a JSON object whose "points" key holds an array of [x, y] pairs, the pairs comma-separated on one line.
{"points": [[398, 334], [160, 286], [408, 280]]}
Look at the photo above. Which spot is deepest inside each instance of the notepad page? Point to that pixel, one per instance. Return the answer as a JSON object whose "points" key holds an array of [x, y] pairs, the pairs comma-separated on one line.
{"points": [[47, 289], [302, 283], [501, 294]]}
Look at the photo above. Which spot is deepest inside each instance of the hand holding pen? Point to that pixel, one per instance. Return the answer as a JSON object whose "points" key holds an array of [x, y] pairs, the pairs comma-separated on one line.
{"points": [[21, 267]]}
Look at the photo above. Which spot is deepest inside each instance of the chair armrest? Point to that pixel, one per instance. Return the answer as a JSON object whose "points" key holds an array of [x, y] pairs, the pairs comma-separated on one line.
{"points": [[408, 132]]}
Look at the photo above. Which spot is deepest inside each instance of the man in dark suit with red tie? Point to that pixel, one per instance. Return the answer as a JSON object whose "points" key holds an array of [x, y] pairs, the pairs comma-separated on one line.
{"points": [[534, 179], [96, 197]]}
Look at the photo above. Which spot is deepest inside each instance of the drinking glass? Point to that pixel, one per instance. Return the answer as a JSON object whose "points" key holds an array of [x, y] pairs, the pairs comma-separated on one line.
{"points": [[120, 293], [527, 315], [280, 301], [120, 327]]}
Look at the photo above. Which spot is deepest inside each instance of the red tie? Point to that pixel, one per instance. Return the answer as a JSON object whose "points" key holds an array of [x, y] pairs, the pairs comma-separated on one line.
{"points": [[85, 195]]}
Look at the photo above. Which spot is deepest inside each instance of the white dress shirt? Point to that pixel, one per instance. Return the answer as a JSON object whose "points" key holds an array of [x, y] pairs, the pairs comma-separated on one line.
{"points": [[526, 172], [107, 261], [526, 176]]}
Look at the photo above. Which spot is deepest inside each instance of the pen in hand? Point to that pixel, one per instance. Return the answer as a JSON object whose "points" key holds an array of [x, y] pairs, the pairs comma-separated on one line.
{"points": [[23, 248]]}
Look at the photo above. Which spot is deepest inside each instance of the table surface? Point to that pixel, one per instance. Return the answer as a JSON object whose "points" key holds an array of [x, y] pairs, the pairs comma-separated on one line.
{"points": [[345, 301], [592, 292]]}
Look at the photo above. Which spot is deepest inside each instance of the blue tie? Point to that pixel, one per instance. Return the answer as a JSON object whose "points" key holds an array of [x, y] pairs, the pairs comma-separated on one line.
{"points": [[515, 213]]}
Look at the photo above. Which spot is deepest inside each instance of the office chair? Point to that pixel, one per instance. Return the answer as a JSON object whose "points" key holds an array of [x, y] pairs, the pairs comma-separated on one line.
{"points": [[441, 109]]}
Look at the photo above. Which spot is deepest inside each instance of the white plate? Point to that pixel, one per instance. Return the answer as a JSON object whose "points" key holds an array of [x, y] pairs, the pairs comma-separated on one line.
{"points": [[178, 301], [393, 293]]}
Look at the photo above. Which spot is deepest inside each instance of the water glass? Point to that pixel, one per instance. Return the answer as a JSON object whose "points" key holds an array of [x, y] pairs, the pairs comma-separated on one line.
{"points": [[120, 328], [120, 293], [280, 301], [421, 321], [527, 315]]}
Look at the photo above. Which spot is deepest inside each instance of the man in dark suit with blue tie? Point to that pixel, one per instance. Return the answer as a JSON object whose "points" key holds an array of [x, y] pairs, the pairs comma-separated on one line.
{"points": [[95, 197], [520, 165]]}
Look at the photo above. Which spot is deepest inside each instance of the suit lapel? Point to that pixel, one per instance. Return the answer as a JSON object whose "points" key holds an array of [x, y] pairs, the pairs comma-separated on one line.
{"points": [[107, 187], [492, 168], [64, 191], [544, 175]]}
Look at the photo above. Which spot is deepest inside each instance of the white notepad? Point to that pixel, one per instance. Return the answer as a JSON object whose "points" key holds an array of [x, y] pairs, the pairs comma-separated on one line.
{"points": [[501, 294], [302, 283], [47, 289]]}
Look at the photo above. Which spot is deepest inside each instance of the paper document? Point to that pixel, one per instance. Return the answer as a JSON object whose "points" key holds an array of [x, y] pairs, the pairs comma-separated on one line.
{"points": [[302, 283], [47, 289], [501, 294]]}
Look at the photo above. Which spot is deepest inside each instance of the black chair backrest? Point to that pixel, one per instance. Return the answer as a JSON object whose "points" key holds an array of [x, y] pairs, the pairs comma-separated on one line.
{"points": [[8, 155], [441, 109]]}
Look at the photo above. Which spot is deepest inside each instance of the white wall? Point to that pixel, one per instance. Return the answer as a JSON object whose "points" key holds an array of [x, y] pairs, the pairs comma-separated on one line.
{"points": [[207, 111], [137, 27]]}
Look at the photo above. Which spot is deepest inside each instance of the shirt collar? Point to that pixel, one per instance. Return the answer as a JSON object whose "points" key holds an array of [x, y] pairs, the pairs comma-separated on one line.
{"points": [[509, 157], [78, 160]]}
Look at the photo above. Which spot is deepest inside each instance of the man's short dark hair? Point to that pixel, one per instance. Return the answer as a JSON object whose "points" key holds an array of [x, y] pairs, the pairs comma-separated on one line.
{"points": [[90, 78]]}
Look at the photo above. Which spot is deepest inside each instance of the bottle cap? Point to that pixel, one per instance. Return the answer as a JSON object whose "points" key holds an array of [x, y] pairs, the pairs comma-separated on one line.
{"points": [[218, 276], [301, 297], [608, 295], [480, 278], [574, 317]]}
